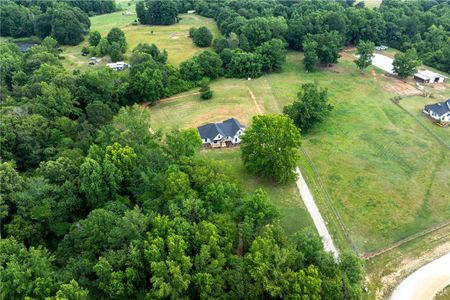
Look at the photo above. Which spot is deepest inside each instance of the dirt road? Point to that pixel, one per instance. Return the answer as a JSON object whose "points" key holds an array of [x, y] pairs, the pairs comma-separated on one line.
{"points": [[311, 206], [426, 282]]}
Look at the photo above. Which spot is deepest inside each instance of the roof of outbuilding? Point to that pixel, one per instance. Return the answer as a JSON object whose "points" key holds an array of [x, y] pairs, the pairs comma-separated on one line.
{"points": [[439, 108], [427, 74], [227, 128]]}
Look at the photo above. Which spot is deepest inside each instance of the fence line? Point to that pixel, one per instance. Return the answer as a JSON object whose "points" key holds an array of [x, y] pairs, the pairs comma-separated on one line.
{"points": [[405, 240], [329, 201]]}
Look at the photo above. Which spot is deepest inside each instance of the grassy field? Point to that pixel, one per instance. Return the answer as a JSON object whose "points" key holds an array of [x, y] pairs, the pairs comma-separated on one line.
{"points": [[231, 98], [386, 176], [173, 38], [294, 216]]}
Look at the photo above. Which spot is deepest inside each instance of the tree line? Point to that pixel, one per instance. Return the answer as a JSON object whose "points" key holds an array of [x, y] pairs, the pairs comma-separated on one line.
{"points": [[422, 25], [95, 205], [65, 23]]}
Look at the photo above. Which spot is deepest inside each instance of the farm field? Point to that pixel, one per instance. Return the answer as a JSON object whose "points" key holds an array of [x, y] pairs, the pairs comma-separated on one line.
{"points": [[294, 216], [387, 177], [173, 38]]}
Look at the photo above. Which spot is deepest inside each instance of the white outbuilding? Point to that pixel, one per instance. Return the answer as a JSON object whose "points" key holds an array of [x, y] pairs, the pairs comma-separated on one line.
{"points": [[118, 66], [427, 76]]}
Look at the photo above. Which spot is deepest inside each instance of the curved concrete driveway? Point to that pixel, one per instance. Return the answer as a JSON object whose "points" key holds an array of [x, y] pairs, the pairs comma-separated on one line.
{"points": [[426, 282]]}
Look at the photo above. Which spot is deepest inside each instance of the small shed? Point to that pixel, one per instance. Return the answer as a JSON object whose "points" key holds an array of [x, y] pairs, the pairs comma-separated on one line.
{"points": [[427, 76]]}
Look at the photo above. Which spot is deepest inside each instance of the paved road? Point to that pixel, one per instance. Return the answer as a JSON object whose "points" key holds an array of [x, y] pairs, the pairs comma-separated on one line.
{"points": [[426, 282], [311, 206]]}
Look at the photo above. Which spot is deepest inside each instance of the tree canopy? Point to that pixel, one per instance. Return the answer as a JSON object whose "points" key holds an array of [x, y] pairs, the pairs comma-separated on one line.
{"points": [[201, 36], [153, 12], [310, 107], [269, 147], [405, 64], [365, 53]]}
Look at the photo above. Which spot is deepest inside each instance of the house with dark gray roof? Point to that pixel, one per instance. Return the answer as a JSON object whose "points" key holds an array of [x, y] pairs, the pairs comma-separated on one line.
{"points": [[225, 134], [439, 111]]}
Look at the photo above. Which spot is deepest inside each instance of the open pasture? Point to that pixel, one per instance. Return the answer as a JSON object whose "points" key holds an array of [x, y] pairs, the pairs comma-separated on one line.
{"points": [[386, 175], [174, 38]]}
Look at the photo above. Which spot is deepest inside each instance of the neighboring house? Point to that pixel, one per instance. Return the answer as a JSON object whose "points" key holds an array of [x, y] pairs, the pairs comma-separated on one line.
{"points": [[219, 135], [439, 111], [118, 66], [427, 76]]}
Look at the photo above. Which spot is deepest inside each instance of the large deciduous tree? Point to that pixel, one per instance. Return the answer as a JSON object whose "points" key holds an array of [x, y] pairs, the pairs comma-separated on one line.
{"points": [[269, 147], [116, 35], [310, 52], [273, 55], [94, 38], [183, 143], [405, 64], [328, 46], [155, 12], [365, 53], [310, 107], [202, 37], [244, 64]]}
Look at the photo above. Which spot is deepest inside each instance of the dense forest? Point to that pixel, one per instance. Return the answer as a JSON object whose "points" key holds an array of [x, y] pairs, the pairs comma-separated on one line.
{"points": [[423, 25], [66, 21]]}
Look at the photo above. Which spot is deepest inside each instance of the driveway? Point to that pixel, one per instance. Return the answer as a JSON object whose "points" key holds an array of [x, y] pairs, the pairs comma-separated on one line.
{"points": [[313, 210], [426, 282]]}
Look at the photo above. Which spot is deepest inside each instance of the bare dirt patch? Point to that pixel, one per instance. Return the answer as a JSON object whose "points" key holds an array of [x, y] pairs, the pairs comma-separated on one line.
{"points": [[255, 101], [399, 87]]}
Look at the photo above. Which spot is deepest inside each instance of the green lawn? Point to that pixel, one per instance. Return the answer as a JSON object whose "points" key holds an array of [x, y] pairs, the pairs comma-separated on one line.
{"points": [[386, 175], [294, 216], [231, 98], [173, 38]]}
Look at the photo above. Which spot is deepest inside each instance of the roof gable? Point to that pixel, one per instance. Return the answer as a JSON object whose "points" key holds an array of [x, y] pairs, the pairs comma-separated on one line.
{"points": [[440, 108], [227, 128]]}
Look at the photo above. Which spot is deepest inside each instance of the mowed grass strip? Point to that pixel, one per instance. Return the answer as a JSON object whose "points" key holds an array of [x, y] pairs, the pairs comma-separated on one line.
{"points": [[387, 176], [294, 216], [174, 38]]}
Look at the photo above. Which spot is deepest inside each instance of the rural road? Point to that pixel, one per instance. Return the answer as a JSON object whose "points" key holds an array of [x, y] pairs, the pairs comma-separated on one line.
{"points": [[311, 206], [426, 282]]}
